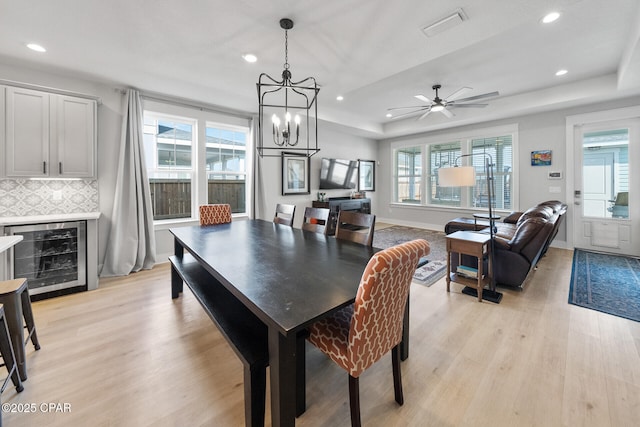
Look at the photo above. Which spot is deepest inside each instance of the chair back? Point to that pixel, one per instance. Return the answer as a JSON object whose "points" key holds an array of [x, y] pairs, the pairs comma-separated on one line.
{"points": [[622, 198], [215, 214], [315, 219], [356, 227], [378, 312], [284, 214]]}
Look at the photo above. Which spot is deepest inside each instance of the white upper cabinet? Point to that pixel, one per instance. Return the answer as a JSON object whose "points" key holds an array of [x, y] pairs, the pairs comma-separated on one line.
{"points": [[49, 135], [76, 136]]}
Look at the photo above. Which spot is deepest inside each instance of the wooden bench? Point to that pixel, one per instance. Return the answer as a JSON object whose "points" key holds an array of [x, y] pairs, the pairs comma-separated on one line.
{"points": [[242, 329]]}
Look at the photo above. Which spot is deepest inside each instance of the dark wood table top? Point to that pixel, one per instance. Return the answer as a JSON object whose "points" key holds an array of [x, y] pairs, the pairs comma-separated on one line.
{"points": [[288, 277]]}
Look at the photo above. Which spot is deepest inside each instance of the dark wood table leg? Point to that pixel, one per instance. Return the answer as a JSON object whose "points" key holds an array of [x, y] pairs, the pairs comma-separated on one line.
{"points": [[282, 367], [404, 345], [176, 284]]}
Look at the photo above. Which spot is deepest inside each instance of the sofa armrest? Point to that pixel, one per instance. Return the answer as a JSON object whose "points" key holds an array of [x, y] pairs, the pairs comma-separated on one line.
{"points": [[512, 218]]}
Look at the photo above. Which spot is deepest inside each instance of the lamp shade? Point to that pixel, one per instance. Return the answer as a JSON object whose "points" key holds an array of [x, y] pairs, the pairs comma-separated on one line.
{"points": [[463, 176]]}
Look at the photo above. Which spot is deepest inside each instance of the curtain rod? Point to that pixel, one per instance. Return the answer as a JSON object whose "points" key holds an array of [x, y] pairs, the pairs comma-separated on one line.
{"points": [[50, 89], [183, 102]]}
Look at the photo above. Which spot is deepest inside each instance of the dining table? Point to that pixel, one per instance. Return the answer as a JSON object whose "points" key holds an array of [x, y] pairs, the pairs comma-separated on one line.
{"points": [[288, 278]]}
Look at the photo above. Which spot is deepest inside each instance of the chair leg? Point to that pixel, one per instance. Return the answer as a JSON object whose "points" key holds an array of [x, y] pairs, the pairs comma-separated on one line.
{"points": [[28, 319], [6, 349], [354, 401], [397, 374]]}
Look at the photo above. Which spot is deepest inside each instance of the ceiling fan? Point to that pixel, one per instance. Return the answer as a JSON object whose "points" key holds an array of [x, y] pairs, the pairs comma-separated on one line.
{"points": [[443, 105]]}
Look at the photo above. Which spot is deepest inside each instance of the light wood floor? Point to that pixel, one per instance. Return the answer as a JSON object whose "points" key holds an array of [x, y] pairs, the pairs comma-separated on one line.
{"points": [[128, 355]]}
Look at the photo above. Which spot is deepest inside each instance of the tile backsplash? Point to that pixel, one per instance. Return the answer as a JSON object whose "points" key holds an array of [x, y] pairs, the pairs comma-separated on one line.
{"points": [[26, 197]]}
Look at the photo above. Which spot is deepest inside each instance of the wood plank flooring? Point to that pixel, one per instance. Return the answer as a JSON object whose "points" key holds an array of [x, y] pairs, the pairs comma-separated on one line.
{"points": [[128, 355]]}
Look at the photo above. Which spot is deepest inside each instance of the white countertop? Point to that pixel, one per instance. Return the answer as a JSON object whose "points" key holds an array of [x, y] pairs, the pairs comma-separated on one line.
{"points": [[8, 241], [37, 219]]}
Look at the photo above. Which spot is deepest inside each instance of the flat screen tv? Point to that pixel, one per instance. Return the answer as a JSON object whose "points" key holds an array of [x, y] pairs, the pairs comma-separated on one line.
{"points": [[338, 173]]}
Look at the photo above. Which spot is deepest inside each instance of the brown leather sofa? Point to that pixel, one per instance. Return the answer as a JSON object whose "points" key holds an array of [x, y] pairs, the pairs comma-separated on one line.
{"points": [[520, 240]]}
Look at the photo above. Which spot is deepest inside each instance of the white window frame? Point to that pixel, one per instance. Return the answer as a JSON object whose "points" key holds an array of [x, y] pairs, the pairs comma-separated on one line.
{"points": [[465, 138], [203, 117]]}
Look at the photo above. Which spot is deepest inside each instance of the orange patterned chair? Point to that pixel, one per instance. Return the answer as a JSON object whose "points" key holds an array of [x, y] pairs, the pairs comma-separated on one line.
{"points": [[360, 334], [215, 214]]}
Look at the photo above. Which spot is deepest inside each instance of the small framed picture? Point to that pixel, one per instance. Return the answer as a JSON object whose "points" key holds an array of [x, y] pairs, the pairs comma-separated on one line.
{"points": [[541, 158], [295, 174], [367, 175]]}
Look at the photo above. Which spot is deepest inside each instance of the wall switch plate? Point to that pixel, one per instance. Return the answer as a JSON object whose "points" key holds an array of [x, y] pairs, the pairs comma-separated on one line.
{"points": [[555, 190]]}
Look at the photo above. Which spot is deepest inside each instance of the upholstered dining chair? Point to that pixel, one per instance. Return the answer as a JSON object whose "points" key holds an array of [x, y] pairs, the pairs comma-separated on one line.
{"points": [[360, 334], [356, 226], [284, 214], [315, 219], [215, 214]]}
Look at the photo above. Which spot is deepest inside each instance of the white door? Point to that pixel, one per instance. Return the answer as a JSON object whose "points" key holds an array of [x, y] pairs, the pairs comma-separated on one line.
{"points": [[604, 190]]}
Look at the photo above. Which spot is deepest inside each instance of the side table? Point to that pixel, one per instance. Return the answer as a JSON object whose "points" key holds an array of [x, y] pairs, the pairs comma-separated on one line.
{"points": [[473, 244]]}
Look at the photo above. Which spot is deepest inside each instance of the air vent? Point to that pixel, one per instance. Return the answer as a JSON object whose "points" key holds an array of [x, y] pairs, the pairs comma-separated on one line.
{"points": [[445, 23]]}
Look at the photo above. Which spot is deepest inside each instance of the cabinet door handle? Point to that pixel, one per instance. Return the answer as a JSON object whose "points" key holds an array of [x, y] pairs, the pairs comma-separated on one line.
{"points": [[44, 167], [60, 168]]}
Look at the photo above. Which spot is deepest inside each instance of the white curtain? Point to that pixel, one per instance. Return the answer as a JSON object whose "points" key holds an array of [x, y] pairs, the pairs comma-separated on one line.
{"points": [[131, 244]]}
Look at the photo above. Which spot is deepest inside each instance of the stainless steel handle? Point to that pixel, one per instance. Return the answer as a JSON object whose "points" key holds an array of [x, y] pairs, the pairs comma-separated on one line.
{"points": [[60, 168], [44, 167]]}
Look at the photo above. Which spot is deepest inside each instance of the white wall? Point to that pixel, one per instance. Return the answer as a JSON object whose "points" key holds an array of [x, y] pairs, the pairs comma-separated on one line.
{"points": [[334, 141], [535, 132]]}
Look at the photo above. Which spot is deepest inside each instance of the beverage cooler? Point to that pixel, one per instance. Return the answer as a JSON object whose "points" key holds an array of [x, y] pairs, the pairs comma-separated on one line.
{"points": [[52, 257]]}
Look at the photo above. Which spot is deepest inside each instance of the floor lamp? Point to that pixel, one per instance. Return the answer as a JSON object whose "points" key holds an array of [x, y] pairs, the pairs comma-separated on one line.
{"points": [[465, 176]]}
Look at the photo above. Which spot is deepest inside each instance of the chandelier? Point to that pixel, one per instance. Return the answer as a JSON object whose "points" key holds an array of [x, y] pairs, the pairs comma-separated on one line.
{"points": [[292, 108]]}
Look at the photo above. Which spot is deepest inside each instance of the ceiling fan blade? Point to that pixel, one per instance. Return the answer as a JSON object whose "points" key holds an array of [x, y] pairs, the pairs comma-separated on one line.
{"points": [[409, 106], [457, 93], [447, 113], [423, 99], [456, 105], [410, 113], [425, 114], [484, 95]]}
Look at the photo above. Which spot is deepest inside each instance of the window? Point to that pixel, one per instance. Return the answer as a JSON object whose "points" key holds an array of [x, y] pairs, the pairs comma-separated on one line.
{"points": [[168, 145], [443, 156], [226, 166], [498, 147], [193, 161], [408, 174]]}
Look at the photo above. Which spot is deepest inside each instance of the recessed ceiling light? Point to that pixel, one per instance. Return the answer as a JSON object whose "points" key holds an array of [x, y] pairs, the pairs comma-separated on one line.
{"points": [[36, 47], [339, 97], [250, 57], [561, 72], [550, 17]]}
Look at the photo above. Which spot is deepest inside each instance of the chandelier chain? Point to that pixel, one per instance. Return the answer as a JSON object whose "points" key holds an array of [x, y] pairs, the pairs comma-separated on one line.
{"points": [[286, 49]]}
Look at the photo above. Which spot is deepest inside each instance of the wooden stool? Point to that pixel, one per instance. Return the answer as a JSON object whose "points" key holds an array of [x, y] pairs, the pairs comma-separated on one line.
{"points": [[14, 295]]}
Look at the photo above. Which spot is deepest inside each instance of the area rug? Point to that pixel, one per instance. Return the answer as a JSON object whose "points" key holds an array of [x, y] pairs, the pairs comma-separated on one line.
{"points": [[436, 265], [606, 283]]}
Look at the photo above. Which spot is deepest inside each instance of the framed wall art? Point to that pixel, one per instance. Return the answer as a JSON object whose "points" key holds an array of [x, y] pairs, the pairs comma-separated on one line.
{"points": [[367, 175], [295, 174], [541, 158]]}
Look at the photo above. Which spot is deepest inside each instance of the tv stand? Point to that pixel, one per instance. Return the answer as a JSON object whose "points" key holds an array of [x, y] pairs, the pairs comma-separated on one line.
{"points": [[337, 204]]}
